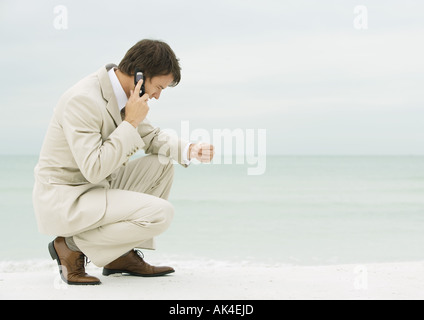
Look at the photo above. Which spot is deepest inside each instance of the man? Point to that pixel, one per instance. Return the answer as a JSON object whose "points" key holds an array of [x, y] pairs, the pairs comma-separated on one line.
{"points": [[99, 204]]}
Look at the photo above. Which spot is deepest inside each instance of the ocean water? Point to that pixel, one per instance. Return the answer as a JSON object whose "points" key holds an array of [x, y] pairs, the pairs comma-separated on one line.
{"points": [[306, 210]]}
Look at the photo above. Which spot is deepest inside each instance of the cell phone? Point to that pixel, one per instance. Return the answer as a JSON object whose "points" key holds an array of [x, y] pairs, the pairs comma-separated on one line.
{"points": [[138, 75]]}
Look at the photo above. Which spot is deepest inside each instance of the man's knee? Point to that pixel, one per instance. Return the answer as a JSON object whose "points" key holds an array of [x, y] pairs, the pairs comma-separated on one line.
{"points": [[160, 216], [164, 214], [168, 211]]}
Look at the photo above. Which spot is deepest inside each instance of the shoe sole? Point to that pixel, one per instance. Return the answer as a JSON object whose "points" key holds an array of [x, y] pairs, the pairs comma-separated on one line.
{"points": [[55, 256], [108, 272]]}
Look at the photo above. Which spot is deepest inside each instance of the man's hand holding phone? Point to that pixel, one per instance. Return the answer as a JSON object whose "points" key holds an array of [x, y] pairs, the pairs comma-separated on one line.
{"points": [[136, 109]]}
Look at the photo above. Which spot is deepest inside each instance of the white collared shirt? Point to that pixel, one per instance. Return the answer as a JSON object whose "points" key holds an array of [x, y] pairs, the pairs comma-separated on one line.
{"points": [[122, 100], [120, 94]]}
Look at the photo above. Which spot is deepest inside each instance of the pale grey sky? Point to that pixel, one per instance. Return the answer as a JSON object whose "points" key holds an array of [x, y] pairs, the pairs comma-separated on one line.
{"points": [[298, 68]]}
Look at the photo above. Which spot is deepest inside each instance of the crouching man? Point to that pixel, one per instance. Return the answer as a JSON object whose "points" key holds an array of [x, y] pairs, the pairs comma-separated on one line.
{"points": [[87, 193]]}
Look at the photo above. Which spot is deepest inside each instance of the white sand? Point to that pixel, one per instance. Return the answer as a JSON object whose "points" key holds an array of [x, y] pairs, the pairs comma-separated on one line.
{"points": [[200, 280]]}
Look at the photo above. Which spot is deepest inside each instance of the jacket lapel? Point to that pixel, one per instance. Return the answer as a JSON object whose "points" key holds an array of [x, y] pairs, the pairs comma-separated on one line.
{"points": [[108, 94]]}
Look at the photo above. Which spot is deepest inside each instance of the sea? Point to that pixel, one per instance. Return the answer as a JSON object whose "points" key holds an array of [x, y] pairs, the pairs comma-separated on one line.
{"points": [[303, 210]]}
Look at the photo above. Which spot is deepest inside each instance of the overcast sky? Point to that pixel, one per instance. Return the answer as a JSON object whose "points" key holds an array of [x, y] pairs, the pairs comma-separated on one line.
{"points": [[299, 69]]}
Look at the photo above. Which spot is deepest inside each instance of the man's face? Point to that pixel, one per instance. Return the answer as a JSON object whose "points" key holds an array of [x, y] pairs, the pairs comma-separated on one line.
{"points": [[155, 85]]}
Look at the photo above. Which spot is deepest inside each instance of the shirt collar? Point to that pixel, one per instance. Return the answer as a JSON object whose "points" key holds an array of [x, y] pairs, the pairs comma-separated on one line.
{"points": [[120, 95]]}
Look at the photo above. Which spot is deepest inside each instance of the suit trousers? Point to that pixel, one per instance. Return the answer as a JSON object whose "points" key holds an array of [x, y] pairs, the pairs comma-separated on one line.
{"points": [[137, 210]]}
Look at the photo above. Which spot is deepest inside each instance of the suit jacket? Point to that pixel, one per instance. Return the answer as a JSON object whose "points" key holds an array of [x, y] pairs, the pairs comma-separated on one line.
{"points": [[86, 142]]}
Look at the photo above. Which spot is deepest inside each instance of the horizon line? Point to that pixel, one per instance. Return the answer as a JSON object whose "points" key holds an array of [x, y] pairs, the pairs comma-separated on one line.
{"points": [[275, 155]]}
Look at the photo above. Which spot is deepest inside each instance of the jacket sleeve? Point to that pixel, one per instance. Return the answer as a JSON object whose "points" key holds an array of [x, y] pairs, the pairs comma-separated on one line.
{"points": [[97, 157], [160, 142]]}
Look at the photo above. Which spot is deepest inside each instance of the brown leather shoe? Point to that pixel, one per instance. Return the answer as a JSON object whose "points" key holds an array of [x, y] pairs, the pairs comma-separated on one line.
{"points": [[71, 264], [133, 264]]}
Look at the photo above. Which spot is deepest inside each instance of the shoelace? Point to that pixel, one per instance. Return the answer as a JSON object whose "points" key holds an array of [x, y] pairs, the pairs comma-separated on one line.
{"points": [[84, 261], [139, 253]]}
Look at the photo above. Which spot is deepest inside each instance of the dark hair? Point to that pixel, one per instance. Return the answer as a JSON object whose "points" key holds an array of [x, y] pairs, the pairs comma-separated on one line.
{"points": [[154, 58]]}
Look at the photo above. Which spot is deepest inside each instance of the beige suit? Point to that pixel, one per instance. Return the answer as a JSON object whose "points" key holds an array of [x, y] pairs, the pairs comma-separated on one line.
{"points": [[85, 185]]}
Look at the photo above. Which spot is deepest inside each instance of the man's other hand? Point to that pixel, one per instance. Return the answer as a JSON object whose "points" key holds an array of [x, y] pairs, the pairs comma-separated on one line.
{"points": [[203, 152]]}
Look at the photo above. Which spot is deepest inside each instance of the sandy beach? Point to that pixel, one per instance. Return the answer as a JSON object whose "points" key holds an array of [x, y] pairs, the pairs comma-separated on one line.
{"points": [[210, 280]]}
